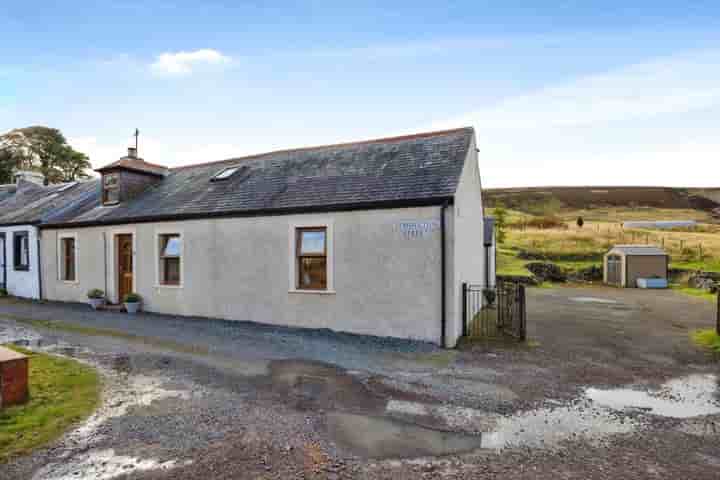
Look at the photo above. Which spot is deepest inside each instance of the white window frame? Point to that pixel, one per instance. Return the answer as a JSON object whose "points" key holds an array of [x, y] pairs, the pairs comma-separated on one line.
{"points": [[61, 260], [158, 234], [328, 225]]}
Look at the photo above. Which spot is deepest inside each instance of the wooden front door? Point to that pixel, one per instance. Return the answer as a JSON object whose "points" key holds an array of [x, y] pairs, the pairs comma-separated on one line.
{"points": [[125, 265]]}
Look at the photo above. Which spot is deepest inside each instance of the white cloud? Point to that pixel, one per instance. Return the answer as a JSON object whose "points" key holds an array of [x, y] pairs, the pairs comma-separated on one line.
{"points": [[674, 84], [183, 63], [644, 124]]}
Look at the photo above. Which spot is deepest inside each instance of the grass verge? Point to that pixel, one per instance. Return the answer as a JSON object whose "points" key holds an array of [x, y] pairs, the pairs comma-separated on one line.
{"points": [[62, 392], [695, 292], [107, 332], [707, 338]]}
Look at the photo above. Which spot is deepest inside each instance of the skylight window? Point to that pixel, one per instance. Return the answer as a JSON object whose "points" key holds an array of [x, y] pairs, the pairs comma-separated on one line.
{"points": [[225, 174]]}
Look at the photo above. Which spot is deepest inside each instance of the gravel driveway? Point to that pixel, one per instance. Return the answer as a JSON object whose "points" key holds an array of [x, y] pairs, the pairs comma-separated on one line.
{"points": [[609, 387]]}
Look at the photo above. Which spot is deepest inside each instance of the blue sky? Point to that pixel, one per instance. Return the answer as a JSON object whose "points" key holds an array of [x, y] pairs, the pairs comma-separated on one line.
{"points": [[562, 93]]}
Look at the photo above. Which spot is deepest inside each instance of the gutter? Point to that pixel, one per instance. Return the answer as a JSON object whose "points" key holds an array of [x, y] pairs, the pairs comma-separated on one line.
{"points": [[263, 212], [443, 281], [39, 268]]}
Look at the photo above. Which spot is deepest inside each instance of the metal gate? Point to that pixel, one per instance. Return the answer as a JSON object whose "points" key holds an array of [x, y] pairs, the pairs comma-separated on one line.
{"points": [[494, 312]]}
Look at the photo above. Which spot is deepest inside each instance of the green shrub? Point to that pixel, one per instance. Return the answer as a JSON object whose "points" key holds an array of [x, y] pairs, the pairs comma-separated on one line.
{"points": [[96, 293], [132, 298], [707, 338]]}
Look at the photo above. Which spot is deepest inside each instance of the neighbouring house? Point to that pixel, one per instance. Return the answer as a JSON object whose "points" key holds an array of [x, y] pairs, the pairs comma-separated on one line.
{"points": [[373, 237], [626, 264], [20, 216]]}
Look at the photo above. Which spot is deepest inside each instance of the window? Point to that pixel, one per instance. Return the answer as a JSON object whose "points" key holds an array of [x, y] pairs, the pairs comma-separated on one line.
{"points": [[228, 172], [68, 258], [311, 253], [21, 251], [170, 248], [111, 188]]}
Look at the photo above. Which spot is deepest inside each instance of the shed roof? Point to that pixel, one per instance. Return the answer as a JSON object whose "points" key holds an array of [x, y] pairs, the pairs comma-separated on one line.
{"points": [[423, 167], [649, 250], [7, 355], [37, 203]]}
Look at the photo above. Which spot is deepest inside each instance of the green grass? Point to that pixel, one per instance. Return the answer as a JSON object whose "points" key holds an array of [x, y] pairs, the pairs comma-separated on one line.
{"points": [[62, 392], [695, 292], [707, 338], [106, 332], [509, 264]]}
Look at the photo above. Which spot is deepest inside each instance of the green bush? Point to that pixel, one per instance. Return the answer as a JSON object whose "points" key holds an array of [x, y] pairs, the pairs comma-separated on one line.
{"points": [[132, 298], [96, 293]]}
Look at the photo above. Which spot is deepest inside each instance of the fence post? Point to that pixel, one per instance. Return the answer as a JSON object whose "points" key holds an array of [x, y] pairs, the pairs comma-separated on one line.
{"points": [[464, 309], [717, 314], [523, 314]]}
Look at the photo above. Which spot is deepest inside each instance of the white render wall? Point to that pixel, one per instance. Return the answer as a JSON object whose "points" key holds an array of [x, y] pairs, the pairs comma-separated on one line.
{"points": [[386, 272], [22, 283], [469, 251]]}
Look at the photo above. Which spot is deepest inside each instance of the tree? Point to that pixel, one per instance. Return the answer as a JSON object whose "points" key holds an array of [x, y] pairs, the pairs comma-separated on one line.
{"points": [[45, 150], [580, 222], [500, 214]]}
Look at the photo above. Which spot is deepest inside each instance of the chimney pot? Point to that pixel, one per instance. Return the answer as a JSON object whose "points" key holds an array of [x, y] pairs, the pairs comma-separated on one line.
{"points": [[132, 152]]}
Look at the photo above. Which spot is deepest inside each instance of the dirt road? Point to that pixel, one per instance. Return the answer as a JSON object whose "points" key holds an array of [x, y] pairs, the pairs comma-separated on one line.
{"points": [[609, 387]]}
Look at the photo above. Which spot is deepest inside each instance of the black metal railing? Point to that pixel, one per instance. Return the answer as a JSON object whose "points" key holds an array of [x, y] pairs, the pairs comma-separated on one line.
{"points": [[495, 311]]}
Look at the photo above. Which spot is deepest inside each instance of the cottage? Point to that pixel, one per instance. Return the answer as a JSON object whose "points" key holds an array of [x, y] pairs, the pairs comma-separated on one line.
{"points": [[625, 265], [372, 237], [21, 213]]}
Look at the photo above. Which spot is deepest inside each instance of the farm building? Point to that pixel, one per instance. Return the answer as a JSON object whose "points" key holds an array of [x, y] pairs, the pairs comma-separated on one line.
{"points": [[624, 265]]}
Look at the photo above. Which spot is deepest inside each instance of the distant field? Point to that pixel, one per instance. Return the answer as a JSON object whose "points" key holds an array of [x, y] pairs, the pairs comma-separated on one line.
{"points": [[574, 248], [538, 200]]}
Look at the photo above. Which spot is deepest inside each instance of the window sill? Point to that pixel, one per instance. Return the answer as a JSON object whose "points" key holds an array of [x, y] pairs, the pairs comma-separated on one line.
{"points": [[21, 269], [70, 282], [316, 292], [172, 287]]}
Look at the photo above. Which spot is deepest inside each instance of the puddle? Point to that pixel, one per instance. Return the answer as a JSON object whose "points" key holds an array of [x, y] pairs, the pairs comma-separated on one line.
{"points": [[101, 465], [377, 437], [137, 391], [547, 427], [317, 385], [593, 300], [686, 397], [542, 427]]}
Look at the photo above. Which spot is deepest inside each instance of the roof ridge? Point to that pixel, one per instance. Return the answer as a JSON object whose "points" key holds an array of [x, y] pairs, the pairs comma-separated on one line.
{"points": [[330, 145]]}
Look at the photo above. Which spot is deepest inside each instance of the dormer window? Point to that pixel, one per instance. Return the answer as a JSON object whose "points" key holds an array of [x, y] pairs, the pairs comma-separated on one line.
{"points": [[111, 188], [225, 174]]}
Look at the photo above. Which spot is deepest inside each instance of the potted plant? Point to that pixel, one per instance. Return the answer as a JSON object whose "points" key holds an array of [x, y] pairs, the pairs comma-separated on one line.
{"points": [[132, 302], [96, 298]]}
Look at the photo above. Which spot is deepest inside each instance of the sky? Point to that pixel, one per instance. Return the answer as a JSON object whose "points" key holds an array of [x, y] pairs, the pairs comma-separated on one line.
{"points": [[560, 93]]}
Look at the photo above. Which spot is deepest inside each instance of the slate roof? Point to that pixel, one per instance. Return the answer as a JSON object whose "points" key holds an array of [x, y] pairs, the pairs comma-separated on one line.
{"points": [[137, 164], [638, 250], [6, 191], [34, 204], [415, 168]]}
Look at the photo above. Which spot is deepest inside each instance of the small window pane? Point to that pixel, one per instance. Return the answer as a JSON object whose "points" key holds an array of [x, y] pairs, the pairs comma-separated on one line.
{"points": [[112, 195], [312, 242], [172, 247], [172, 271], [312, 273], [111, 180], [68, 260]]}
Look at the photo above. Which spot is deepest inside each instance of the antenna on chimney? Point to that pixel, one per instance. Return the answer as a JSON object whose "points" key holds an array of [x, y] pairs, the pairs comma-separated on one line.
{"points": [[137, 134]]}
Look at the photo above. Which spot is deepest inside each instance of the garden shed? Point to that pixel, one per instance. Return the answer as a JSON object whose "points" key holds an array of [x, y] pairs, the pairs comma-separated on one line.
{"points": [[624, 265]]}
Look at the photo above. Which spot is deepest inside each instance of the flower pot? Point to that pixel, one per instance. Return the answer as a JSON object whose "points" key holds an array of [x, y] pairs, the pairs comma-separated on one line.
{"points": [[96, 303], [132, 308]]}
